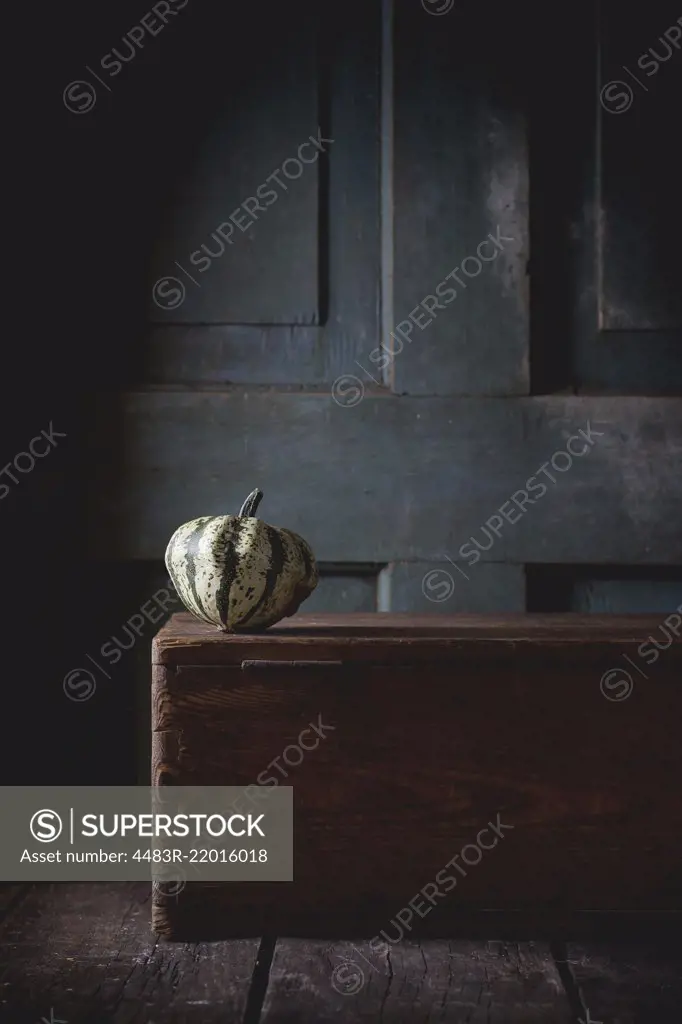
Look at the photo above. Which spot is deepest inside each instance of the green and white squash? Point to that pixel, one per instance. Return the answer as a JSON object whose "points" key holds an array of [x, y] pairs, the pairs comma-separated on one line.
{"points": [[239, 573]]}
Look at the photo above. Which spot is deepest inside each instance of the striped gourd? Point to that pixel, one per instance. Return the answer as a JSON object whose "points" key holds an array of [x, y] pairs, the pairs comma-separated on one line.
{"points": [[238, 573]]}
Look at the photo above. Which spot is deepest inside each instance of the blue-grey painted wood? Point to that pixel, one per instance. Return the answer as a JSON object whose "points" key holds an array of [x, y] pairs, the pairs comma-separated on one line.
{"points": [[460, 175], [343, 592], [236, 354], [640, 259], [345, 223], [627, 596], [244, 117], [601, 279], [631, 362], [351, 260], [399, 479], [444, 587]]}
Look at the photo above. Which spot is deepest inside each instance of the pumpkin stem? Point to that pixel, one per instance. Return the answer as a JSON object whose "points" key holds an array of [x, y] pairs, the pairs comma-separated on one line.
{"points": [[251, 504]]}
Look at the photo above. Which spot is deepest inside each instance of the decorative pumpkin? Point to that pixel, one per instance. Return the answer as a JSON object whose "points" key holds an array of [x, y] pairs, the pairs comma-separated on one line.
{"points": [[237, 572]]}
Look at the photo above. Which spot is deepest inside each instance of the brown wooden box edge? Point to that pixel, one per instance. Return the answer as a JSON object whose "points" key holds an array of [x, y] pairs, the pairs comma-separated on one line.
{"points": [[559, 731]]}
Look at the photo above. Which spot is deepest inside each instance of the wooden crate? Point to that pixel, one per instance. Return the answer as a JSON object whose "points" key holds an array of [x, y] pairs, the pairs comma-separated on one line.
{"points": [[563, 728]]}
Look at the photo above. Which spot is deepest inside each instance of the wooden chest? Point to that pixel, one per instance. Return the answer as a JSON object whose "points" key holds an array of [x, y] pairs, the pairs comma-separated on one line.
{"points": [[534, 761]]}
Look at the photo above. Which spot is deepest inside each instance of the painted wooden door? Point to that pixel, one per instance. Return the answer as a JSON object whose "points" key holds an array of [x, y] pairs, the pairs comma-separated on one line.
{"points": [[415, 273]]}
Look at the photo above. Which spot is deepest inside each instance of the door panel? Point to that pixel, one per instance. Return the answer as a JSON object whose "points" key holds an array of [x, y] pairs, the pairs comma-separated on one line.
{"points": [[395, 463], [237, 131], [641, 220], [460, 176], [294, 299], [606, 266]]}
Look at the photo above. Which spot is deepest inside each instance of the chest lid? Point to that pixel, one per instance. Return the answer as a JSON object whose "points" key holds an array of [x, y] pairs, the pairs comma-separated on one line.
{"points": [[339, 639]]}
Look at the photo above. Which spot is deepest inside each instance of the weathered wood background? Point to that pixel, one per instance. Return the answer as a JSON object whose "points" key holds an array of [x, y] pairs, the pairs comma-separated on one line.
{"points": [[446, 129]]}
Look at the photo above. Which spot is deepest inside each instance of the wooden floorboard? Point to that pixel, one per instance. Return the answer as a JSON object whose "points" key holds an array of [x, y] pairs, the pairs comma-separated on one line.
{"points": [[86, 953], [628, 983], [477, 983], [11, 894]]}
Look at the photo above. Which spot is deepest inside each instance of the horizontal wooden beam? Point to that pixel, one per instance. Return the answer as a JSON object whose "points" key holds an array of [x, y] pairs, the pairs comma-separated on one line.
{"points": [[556, 479]]}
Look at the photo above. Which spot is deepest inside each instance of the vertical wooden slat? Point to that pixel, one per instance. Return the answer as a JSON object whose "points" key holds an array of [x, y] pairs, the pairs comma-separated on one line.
{"points": [[460, 174], [386, 373], [351, 67]]}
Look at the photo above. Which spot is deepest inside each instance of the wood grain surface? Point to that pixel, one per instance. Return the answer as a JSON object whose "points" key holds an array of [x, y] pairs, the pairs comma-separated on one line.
{"points": [[430, 730], [84, 953], [407, 479]]}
